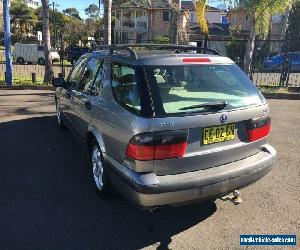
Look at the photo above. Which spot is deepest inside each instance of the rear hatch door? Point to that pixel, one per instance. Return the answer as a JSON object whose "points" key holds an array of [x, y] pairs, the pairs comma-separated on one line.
{"points": [[182, 95]]}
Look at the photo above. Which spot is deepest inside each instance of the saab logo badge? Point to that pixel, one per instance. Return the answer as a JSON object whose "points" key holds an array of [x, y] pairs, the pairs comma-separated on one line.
{"points": [[223, 118], [166, 124]]}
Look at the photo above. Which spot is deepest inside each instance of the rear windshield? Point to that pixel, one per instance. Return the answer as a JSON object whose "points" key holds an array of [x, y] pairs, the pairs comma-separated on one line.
{"points": [[175, 88]]}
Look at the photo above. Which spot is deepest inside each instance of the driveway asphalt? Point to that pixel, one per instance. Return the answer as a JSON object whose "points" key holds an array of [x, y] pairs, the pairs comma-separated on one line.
{"points": [[47, 200]]}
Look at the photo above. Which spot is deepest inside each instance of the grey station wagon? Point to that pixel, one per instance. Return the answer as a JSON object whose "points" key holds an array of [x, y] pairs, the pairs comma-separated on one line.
{"points": [[166, 124]]}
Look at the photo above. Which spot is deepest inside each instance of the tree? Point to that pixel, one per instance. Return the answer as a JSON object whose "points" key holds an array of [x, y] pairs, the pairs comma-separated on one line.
{"points": [[23, 20], [72, 12], [260, 12], [294, 27], [75, 31], [107, 21], [46, 41], [94, 28], [200, 6], [92, 11]]}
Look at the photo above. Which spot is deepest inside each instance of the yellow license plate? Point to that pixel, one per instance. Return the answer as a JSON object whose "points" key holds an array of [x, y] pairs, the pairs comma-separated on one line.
{"points": [[218, 134]]}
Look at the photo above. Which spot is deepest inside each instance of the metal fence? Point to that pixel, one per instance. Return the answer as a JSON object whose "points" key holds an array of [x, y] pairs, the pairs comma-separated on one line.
{"points": [[28, 73], [273, 64]]}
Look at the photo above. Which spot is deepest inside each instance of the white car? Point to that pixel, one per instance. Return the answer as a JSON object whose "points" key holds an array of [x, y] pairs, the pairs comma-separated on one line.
{"points": [[32, 53]]}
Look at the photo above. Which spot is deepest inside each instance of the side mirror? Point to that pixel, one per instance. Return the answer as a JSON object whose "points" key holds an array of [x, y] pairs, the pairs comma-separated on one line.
{"points": [[58, 82]]}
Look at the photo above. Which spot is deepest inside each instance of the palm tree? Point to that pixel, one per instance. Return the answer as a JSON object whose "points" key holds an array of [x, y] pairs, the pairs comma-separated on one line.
{"points": [[46, 41], [107, 21]]}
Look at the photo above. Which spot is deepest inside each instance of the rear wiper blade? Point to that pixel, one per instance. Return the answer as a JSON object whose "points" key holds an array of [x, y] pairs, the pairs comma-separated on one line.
{"points": [[214, 105]]}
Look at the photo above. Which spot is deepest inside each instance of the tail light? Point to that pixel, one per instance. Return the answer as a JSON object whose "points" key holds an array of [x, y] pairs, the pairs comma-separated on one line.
{"points": [[259, 128], [196, 60], [158, 145]]}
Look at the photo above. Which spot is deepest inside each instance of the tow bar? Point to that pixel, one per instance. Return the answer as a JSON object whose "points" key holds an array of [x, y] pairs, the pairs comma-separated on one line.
{"points": [[234, 198]]}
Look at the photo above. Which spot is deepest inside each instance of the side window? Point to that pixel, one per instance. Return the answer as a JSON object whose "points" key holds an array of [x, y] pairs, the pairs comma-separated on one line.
{"points": [[75, 75], [125, 86], [40, 48], [96, 88], [89, 74]]}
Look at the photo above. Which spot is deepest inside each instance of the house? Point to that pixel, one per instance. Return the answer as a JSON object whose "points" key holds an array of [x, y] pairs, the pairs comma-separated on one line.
{"points": [[212, 14], [33, 3], [140, 21], [240, 18]]}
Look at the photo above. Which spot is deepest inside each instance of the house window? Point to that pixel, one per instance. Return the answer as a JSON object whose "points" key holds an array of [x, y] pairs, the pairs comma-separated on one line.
{"points": [[234, 18], [166, 15], [125, 39]]}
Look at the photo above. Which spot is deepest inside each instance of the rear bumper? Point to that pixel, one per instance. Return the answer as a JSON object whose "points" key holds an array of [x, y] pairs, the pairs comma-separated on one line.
{"points": [[148, 190]]}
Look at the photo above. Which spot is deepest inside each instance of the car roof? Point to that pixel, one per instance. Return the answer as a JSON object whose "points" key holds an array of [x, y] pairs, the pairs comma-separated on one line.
{"points": [[160, 57]]}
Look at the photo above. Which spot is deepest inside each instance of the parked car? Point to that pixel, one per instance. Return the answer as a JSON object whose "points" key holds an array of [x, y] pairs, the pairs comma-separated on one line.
{"points": [[278, 61], [32, 53], [75, 53], [165, 127]]}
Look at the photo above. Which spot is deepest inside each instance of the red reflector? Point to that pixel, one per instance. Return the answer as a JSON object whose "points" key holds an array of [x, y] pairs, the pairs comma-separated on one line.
{"points": [[259, 133], [196, 60], [170, 151], [160, 152]]}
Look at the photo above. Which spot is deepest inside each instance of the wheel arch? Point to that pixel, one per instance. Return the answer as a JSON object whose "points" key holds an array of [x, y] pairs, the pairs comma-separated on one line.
{"points": [[94, 134]]}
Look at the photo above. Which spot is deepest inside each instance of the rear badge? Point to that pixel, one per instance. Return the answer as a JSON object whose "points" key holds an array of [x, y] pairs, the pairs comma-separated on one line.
{"points": [[166, 124], [223, 118]]}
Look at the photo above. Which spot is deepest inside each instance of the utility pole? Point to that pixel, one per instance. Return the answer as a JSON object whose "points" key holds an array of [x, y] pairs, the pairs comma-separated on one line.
{"points": [[7, 43]]}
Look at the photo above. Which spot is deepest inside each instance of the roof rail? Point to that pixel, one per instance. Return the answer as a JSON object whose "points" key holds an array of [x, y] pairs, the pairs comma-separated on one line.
{"points": [[128, 48], [112, 48]]}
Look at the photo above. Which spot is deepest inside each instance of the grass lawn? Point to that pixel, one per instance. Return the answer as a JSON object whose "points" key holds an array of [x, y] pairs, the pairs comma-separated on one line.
{"points": [[24, 81], [273, 89]]}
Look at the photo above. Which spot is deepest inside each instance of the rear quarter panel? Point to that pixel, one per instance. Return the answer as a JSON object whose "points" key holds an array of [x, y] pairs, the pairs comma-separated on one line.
{"points": [[117, 126]]}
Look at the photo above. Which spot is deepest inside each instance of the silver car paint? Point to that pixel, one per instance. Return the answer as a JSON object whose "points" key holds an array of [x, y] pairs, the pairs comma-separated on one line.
{"points": [[113, 127]]}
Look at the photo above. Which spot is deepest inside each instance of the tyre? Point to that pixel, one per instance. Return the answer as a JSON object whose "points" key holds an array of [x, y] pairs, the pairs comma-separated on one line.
{"points": [[20, 60], [59, 117], [99, 170], [41, 61]]}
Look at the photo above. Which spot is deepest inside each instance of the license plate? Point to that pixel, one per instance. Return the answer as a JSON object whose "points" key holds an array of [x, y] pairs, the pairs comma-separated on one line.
{"points": [[218, 134]]}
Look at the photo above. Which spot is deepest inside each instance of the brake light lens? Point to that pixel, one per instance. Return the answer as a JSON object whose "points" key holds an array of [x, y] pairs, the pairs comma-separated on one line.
{"points": [[158, 145], [259, 128], [196, 60]]}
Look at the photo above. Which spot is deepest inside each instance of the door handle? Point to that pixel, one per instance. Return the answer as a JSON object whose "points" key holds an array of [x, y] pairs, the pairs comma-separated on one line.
{"points": [[88, 105]]}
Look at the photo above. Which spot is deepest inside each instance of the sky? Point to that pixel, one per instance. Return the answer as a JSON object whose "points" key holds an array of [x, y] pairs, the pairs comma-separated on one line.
{"points": [[80, 5]]}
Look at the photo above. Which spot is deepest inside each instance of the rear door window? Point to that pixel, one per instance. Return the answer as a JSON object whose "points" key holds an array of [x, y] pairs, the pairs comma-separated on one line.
{"points": [[97, 87], [76, 73], [89, 74]]}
